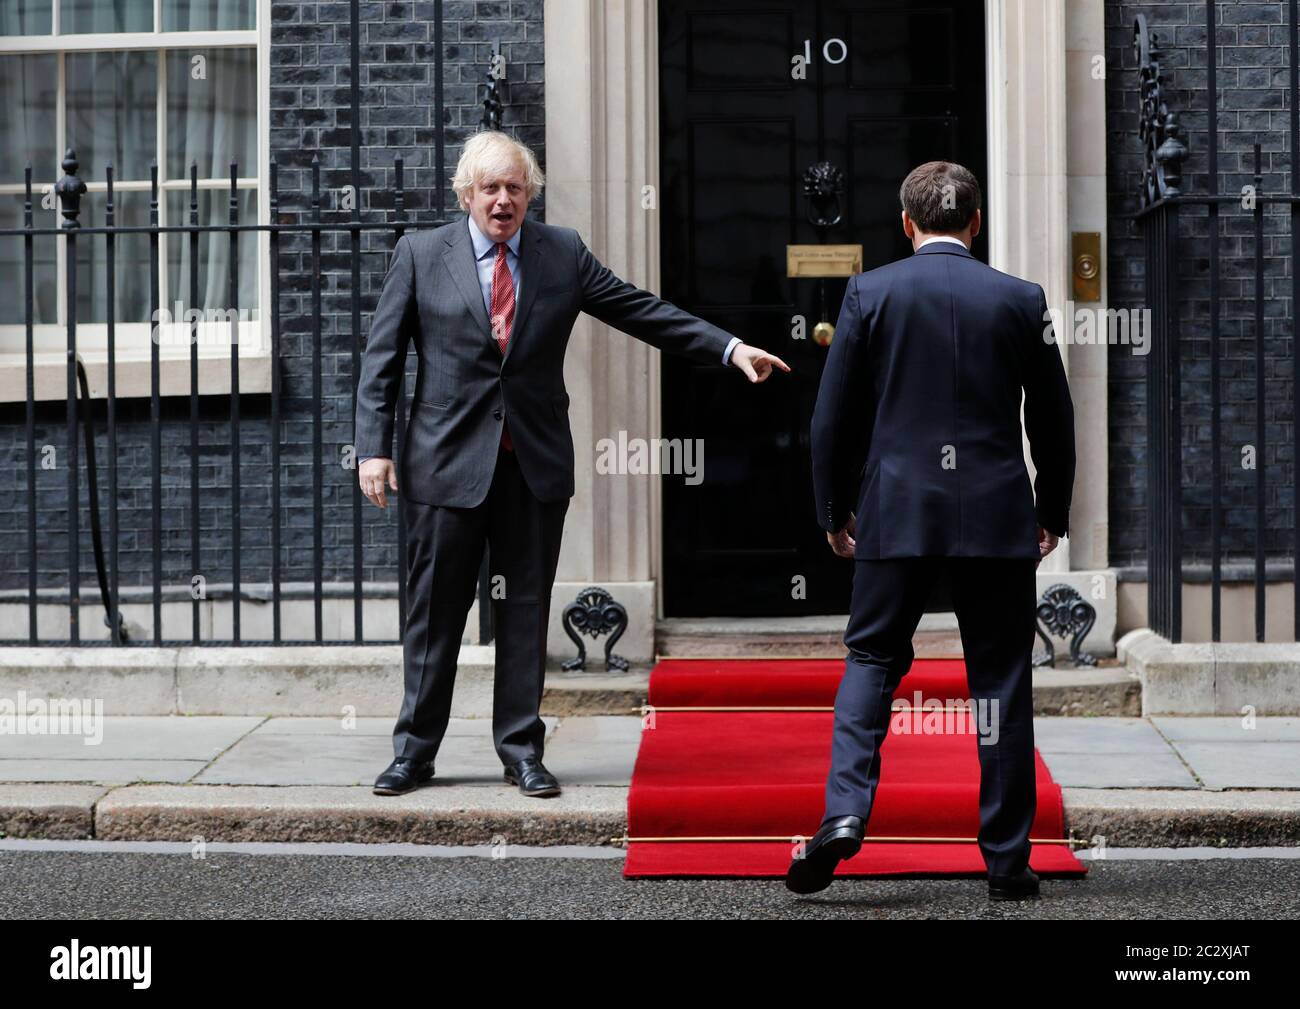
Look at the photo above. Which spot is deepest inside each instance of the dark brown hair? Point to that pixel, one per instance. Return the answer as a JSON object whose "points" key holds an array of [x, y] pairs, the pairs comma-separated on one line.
{"points": [[940, 196]]}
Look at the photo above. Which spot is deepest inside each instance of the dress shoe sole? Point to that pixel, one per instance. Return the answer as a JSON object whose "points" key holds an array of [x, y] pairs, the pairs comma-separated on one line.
{"points": [[543, 792], [402, 791], [815, 870]]}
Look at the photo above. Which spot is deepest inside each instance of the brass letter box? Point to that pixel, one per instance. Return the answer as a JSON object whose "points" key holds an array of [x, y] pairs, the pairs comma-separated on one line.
{"points": [[823, 260]]}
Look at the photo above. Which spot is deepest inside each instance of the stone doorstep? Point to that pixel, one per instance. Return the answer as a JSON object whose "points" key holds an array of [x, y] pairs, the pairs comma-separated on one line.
{"points": [[708, 639], [591, 815], [320, 680]]}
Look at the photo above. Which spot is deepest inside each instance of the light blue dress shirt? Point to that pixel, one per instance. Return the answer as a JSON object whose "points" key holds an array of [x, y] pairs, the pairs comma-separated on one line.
{"points": [[485, 253]]}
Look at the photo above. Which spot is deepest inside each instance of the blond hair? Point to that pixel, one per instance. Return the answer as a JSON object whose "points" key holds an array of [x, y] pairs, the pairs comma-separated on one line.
{"points": [[490, 154]]}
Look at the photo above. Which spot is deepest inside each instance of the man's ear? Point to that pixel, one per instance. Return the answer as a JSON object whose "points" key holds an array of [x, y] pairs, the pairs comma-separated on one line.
{"points": [[909, 229], [975, 221]]}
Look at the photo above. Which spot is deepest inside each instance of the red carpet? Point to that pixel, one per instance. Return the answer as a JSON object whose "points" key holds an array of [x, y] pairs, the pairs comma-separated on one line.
{"points": [[763, 773]]}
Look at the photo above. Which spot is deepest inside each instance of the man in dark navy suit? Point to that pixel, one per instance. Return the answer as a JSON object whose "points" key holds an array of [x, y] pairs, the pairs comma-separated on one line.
{"points": [[918, 467]]}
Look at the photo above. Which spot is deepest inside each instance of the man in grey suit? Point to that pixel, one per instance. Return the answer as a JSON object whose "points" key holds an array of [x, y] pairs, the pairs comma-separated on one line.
{"points": [[489, 303]]}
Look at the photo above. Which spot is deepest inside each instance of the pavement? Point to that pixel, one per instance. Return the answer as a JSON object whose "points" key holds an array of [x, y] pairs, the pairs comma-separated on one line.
{"points": [[1134, 782]]}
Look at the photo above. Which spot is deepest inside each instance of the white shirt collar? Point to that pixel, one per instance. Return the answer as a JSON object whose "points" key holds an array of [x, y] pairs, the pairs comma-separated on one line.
{"points": [[941, 238], [483, 245]]}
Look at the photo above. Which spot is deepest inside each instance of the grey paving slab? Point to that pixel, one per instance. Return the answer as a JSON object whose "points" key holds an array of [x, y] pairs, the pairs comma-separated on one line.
{"points": [[623, 730], [1244, 765], [1098, 735], [371, 726], [322, 757], [1228, 730], [301, 759], [594, 750], [1118, 770], [1122, 753], [37, 796], [126, 737], [328, 727], [108, 772]]}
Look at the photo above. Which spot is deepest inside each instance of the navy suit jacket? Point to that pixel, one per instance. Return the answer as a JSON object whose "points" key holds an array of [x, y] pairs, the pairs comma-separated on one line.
{"points": [[917, 424]]}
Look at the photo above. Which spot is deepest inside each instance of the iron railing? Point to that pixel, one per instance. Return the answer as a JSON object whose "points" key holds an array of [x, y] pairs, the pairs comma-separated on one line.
{"points": [[70, 191], [1163, 206]]}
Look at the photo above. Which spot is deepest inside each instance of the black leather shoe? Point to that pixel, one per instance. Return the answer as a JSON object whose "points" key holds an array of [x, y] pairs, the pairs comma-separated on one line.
{"points": [[837, 840], [1022, 886], [403, 775], [532, 778]]}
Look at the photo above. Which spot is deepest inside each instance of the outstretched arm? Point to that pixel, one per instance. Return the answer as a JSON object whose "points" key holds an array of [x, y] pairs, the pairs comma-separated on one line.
{"points": [[660, 323]]}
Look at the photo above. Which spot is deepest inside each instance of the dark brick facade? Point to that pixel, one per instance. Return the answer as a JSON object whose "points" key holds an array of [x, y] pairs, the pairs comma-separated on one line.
{"points": [[1253, 85], [310, 114]]}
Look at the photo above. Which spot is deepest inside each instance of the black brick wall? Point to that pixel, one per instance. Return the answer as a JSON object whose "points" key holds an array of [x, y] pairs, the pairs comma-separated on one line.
{"points": [[1253, 84], [310, 115]]}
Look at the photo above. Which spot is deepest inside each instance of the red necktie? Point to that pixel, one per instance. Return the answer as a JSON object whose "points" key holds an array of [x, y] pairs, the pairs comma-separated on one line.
{"points": [[503, 316]]}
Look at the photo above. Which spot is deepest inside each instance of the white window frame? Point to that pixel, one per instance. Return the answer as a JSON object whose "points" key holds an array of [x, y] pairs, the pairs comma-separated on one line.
{"points": [[132, 339]]}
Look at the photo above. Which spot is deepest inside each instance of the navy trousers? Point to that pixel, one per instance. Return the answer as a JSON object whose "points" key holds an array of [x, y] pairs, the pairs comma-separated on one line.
{"points": [[995, 601]]}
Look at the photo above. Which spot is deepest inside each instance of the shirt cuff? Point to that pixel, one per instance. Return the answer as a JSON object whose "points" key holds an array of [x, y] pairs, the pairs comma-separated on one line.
{"points": [[726, 354]]}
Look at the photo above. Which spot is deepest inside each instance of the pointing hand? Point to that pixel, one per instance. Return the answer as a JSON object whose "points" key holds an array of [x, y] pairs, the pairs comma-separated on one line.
{"points": [[756, 364]]}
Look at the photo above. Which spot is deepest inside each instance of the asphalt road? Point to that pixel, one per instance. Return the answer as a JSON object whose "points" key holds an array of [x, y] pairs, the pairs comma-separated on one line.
{"points": [[300, 882]]}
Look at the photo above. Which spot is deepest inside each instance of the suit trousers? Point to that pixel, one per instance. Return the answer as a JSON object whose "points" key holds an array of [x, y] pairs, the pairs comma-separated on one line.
{"points": [[995, 600], [443, 556]]}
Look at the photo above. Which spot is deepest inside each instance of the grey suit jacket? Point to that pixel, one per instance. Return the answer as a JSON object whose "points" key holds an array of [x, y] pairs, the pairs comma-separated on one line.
{"points": [[465, 390]]}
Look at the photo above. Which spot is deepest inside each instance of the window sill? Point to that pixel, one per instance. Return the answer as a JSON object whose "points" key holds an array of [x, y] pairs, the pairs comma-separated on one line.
{"points": [[133, 368]]}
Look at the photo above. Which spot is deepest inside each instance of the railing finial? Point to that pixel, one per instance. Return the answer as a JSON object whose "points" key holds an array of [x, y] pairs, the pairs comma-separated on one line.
{"points": [[69, 190], [1163, 148], [492, 104]]}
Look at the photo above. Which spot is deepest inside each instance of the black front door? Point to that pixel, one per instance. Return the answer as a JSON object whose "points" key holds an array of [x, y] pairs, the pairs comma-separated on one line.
{"points": [[888, 85]]}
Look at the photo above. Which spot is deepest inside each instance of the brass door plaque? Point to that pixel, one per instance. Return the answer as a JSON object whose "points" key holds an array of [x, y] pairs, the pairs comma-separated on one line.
{"points": [[823, 260]]}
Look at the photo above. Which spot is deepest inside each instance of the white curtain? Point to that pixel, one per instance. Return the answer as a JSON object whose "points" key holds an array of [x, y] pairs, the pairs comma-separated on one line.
{"points": [[26, 17], [207, 15], [212, 121], [87, 17], [112, 102], [28, 101]]}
